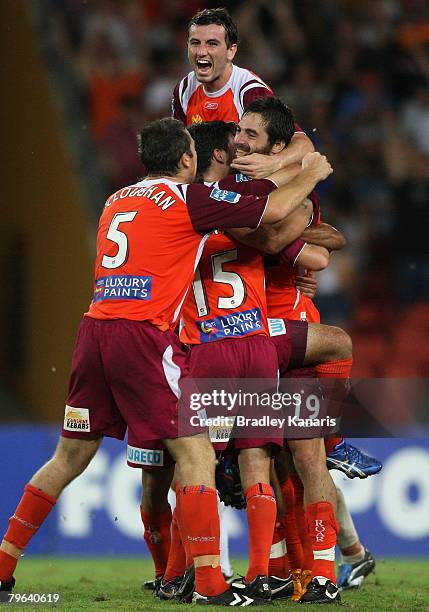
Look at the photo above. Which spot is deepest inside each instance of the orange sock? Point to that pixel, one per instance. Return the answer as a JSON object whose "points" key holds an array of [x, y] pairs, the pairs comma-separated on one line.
{"points": [[261, 518], [278, 565], [335, 391], [32, 510], [340, 368], [185, 542], [157, 535], [200, 519], [323, 529], [7, 566], [301, 523], [293, 541], [176, 565]]}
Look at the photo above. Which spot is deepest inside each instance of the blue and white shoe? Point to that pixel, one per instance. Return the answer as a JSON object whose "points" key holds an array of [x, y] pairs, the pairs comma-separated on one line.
{"points": [[352, 461], [351, 576]]}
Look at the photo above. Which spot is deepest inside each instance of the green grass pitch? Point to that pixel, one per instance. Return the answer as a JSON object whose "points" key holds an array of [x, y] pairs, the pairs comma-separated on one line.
{"points": [[115, 583]]}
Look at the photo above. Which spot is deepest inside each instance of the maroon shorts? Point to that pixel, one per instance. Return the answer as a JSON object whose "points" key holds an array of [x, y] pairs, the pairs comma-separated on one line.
{"points": [[252, 357], [290, 340], [124, 374]]}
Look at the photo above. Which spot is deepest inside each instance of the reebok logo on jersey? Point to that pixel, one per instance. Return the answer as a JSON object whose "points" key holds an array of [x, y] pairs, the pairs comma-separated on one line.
{"points": [[123, 288], [76, 419], [222, 195], [145, 456], [230, 326]]}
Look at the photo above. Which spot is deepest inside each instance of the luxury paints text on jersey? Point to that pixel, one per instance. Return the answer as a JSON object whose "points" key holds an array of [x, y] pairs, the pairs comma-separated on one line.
{"points": [[152, 192], [230, 326], [123, 288]]}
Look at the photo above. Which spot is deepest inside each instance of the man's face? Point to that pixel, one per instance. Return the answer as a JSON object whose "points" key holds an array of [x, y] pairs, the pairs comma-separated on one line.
{"points": [[251, 136], [207, 52]]}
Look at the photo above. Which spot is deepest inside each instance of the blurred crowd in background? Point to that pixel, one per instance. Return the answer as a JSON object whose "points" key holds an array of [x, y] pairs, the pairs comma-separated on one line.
{"points": [[356, 75]]}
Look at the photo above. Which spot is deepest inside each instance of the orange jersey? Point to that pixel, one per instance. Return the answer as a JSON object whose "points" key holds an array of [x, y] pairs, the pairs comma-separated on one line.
{"points": [[192, 104], [284, 300], [228, 296], [149, 242]]}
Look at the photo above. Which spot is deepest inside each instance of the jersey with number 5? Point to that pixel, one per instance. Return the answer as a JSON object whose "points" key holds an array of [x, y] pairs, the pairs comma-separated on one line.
{"points": [[149, 242], [228, 296]]}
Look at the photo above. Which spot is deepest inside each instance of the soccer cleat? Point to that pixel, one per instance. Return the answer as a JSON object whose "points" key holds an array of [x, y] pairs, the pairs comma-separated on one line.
{"points": [[321, 591], [5, 589], [168, 590], [186, 588], [352, 461], [152, 585], [237, 596], [259, 588], [351, 576], [281, 588]]}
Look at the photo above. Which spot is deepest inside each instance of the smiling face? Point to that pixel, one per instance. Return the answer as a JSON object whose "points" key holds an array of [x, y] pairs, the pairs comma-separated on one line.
{"points": [[209, 55], [251, 136]]}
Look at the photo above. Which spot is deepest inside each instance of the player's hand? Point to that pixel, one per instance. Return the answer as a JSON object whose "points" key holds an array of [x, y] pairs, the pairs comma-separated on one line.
{"points": [[256, 165], [307, 285], [317, 164]]}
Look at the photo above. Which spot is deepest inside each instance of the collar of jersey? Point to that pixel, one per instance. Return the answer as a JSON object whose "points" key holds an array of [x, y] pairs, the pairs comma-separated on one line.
{"points": [[222, 90]]}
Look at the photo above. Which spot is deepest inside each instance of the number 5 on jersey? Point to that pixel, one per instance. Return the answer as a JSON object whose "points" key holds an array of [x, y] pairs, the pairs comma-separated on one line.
{"points": [[120, 238]]}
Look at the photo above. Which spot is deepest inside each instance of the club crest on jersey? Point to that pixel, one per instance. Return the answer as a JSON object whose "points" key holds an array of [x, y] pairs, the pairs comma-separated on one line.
{"points": [[122, 288], [233, 325], [196, 119], [241, 178], [222, 195]]}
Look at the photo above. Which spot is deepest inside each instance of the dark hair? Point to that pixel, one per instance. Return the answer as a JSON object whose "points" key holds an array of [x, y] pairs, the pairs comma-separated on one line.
{"points": [[209, 136], [161, 145], [277, 118], [219, 16]]}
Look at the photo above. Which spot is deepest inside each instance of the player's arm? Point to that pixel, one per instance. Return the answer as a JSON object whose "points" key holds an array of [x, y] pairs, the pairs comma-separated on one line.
{"points": [[300, 253], [210, 208], [313, 257], [324, 235], [271, 239], [283, 201]]}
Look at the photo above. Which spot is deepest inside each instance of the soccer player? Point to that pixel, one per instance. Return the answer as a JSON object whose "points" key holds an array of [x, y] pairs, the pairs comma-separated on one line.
{"points": [[127, 363], [284, 300], [217, 89]]}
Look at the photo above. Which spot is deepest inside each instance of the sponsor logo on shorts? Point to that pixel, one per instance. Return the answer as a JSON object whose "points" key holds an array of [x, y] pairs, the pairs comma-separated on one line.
{"points": [[76, 419], [122, 288], [145, 456], [222, 195], [211, 105], [241, 178], [230, 326], [276, 327]]}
